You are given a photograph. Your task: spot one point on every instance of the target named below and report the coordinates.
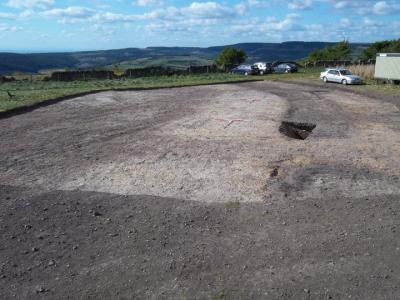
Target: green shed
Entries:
(387, 66)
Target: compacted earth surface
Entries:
(196, 193)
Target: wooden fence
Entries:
(130, 73)
(327, 63)
(338, 63)
(202, 69)
(82, 75)
(152, 71)
(160, 71)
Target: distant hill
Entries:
(137, 57)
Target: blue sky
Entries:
(54, 25)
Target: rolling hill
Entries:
(140, 57)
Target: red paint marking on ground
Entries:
(231, 122)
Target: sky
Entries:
(67, 25)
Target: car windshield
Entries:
(345, 72)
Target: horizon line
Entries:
(71, 50)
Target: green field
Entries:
(26, 92)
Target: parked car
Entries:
(285, 68)
(245, 70)
(264, 67)
(342, 76)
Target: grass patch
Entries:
(374, 87)
(26, 93)
(232, 204)
(312, 75)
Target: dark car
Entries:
(285, 68)
(245, 70)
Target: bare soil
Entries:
(195, 193)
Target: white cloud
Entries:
(259, 3)
(366, 7)
(270, 26)
(345, 22)
(25, 14)
(216, 19)
(72, 14)
(6, 28)
(30, 3)
(341, 4)
(195, 11)
(300, 4)
(384, 8)
(148, 2)
(113, 18)
(7, 16)
(372, 23)
(209, 10)
(381, 8)
(283, 25)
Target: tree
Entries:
(380, 47)
(340, 51)
(116, 68)
(230, 56)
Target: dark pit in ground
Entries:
(296, 130)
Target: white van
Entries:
(263, 67)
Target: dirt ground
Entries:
(193, 193)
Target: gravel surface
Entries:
(195, 193)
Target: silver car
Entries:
(342, 76)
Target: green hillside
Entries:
(166, 56)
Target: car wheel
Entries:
(286, 71)
(344, 82)
(245, 73)
(325, 79)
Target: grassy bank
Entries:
(25, 93)
(366, 72)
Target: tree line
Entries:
(343, 51)
(340, 51)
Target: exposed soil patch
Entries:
(61, 244)
(194, 193)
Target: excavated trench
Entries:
(297, 130)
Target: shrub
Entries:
(380, 47)
(230, 56)
(341, 51)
